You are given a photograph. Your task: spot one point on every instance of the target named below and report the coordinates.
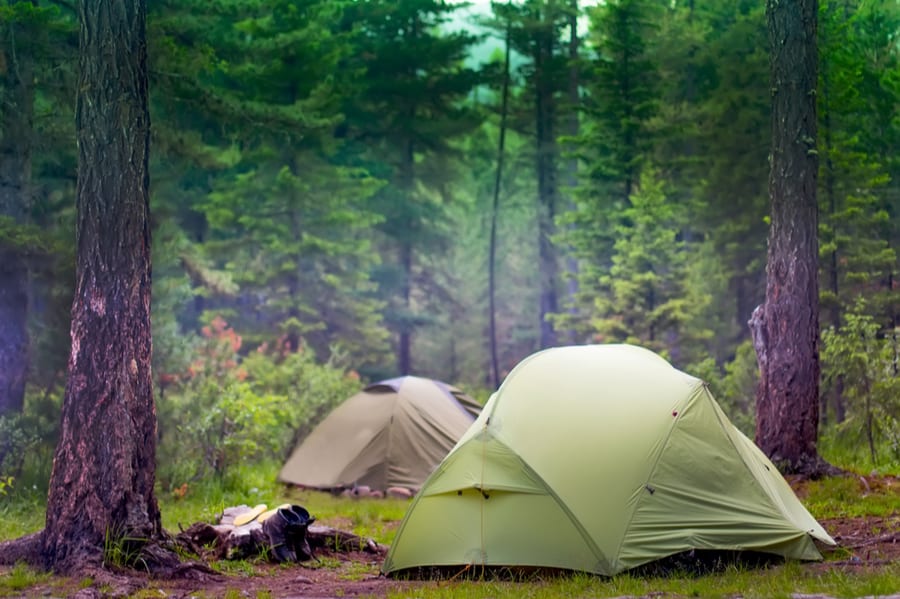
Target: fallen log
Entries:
(341, 541)
(227, 541)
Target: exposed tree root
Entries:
(893, 537)
(157, 559)
(811, 469)
(25, 549)
(228, 542)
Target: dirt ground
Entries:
(862, 543)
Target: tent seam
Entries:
(775, 504)
(662, 448)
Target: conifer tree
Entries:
(857, 260)
(16, 141)
(615, 141)
(410, 105)
(644, 299)
(296, 220)
(36, 168)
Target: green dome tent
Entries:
(600, 458)
(390, 434)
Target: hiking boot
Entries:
(276, 528)
(296, 532)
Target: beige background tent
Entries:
(600, 458)
(391, 434)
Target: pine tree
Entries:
(410, 105)
(289, 221)
(856, 258)
(33, 42)
(622, 98)
(645, 299)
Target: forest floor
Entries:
(864, 543)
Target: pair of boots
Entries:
(286, 530)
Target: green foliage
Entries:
(313, 389)
(711, 142)
(733, 385)
(28, 440)
(282, 217)
(15, 443)
(646, 300)
(21, 512)
(621, 97)
(409, 104)
(863, 359)
(785, 581)
(849, 497)
(857, 237)
(20, 578)
(122, 550)
(624, 92)
(24, 239)
(211, 412)
(6, 483)
(231, 410)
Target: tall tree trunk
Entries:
(101, 487)
(16, 134)
(404, 350)
(547, 156)
(495, 209)
(572, 128)
(785, 327)
(404, 346)
(833, 270)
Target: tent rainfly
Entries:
(391, 434)
(600, 458)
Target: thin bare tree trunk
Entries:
(495, 209)
(16, 134)
(572, 128)
(548, 190)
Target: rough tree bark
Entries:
(785, 327)
(101, 487)
(16, 125)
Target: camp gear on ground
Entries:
(391, 434)
(286, 532)
(269, 513)
(297, 533)
(248, 516)
(600, 458)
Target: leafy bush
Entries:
(230, 410)
(28, 440)
(734, 385)
(312, 389)
(861, 359)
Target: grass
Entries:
(853, 454)
(20, 577)
(847, 497)
(778, 582)
(22, 513)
